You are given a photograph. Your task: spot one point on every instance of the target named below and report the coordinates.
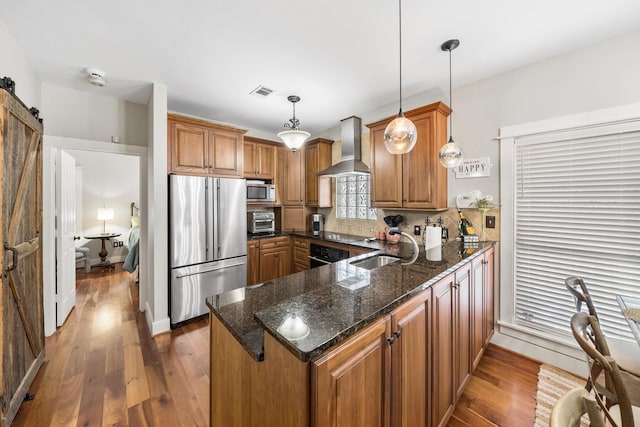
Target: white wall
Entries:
(15, 64)
(154, 297)
(86, 115)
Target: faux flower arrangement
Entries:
(483, 201)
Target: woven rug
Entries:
(552, 384)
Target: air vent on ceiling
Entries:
(261, 91)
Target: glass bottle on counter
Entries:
(465, 226)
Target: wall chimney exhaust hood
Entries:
(351, 162)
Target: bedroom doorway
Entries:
(109, 179)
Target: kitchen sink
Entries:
(375, 261)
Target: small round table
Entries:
(104, 263)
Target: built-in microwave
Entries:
(260, 192)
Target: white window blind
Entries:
(576, 212)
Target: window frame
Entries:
(628, 116)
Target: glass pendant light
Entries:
(451, 154)
(400, 135)
(294, 137)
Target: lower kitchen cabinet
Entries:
(253, 262)
(274, 258)
(462, 327)
(350, 383)
(411, 362)
(300, 254)
(443, 363)
(482, 304)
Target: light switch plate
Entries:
(491, 222)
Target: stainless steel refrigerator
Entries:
(207, 241)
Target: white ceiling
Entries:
(339, 56)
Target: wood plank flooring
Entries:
(103, 369)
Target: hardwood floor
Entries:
(103, 369)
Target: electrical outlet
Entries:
(491, 222)
(416, 230)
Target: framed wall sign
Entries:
(474, 168)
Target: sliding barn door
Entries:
(21, 320)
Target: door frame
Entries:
(50, 145)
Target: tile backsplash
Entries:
(449, 217)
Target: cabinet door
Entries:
(477, 310)
(265, 161)
(420, 167)
(318, 188)
(293, 184)
(250, 167)
(295, 218)
(488, 295)
(226, 153)
(386, 173)
(269, 265)
(253, 262)
(350, 384)
(411, 362)
(189, 148)
(462, 327)
(443, 351)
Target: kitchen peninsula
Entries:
(370, 346)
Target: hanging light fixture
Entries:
(293, 137)
(401, 134)
(451, 154)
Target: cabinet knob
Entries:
(391, 340)
(398, 333)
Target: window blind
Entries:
(576, 212)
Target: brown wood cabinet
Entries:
(293, 178)
(21, 316)
(296, 218)
(317, 155)
(411, 362)
(462, 328)
(415, 180)
(259, 158)
(198, 147)
(275, 258)
(300, 254)
(350, 384)
(488, 308)
(482, 304)
(253, 262)
(443, 363)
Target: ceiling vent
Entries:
(261, 91)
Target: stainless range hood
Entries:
(351, 163)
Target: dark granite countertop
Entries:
(333, 301)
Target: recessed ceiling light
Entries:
(96, 77)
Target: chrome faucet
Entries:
(416, 248)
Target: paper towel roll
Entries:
(432, 237)
(435, 253)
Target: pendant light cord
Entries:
(400, 38)
(450, 102)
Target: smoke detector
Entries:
(96, 77)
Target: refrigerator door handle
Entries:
(215, 250)
(208, 270)
(211, 229)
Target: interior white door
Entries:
(65, 232)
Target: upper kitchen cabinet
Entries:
(317, 157)
(259, 158)
(198, 147)
(293, 186)
(415, 180)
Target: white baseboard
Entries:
(571, 364)
(158, 326)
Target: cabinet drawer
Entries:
(301, 256)
(300, 242)
(276, 242)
